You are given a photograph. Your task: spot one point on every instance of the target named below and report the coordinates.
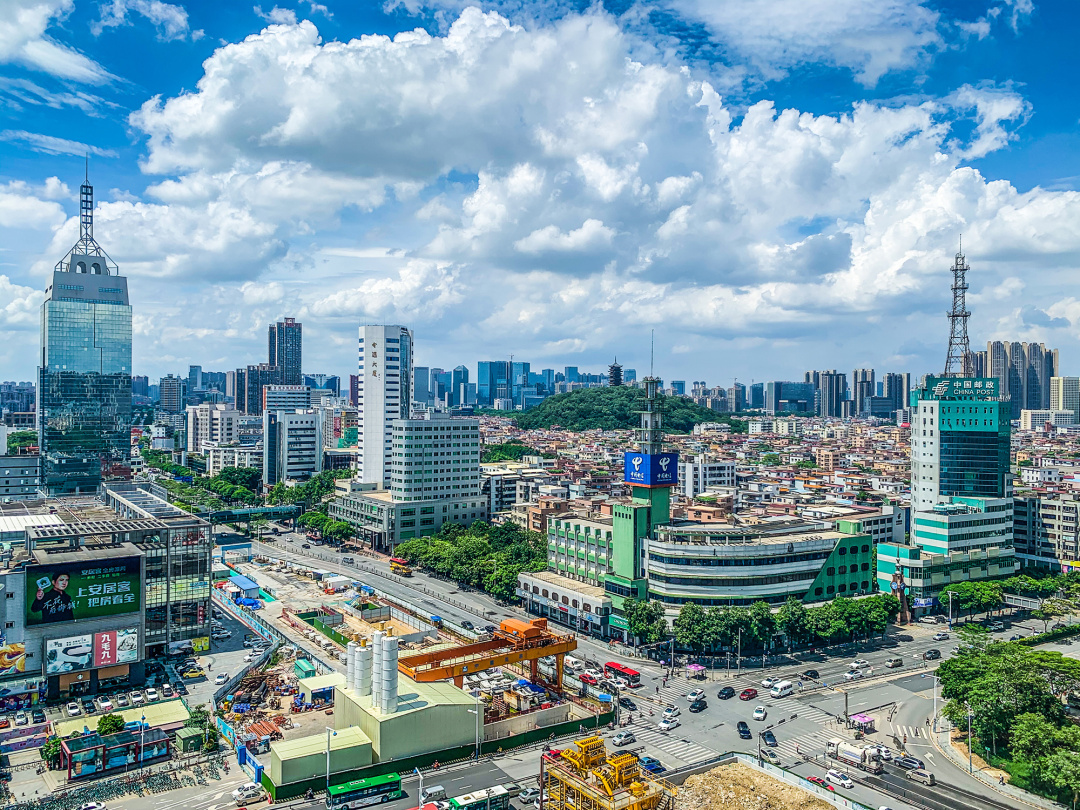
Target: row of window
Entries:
(739, 562)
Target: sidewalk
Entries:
(942, 743)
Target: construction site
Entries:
(585, 777)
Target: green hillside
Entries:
(616, 409)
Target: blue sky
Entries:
(772, 186)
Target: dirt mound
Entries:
(738, 787)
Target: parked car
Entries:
(839, 778)
(699, 706)
(931, 655)
(490, 628)
(88, 706)
(812, 674)
(770, 682)
(908, 762)
(151, 694)
(5, 722)
(38, 716)
(166, 690)
(73, 709)
(726, 693)
(221, 678)
(93, 806)
(529, 794)
(697, 694)
(744, 730)
(668, 723)
(748, 694)
(996, 627)
(770, 756)
(137, 698)
(623, 738)
(769, 738)
(105, 704)
(470, 626)
(760, 713)
(651, 764)
(121, 701)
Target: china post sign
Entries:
(963, 387)
(643, 470)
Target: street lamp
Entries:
(329, 732)
(476, 711)
(968, 707)
(420, 791)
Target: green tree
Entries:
(645, 620)
(1063, 769)
(770, 459)
(512, 450)
(1032, 737)
(792, 620)
(50, 750)
(762, 622)
(690, 626)
(805, 464)
(20, 439)
(110, 724)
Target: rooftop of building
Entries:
(566, 583)
(415, 696)
(316, 743)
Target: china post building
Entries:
(91, 586)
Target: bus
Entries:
(616, 670)
(364, 792)
(493, 798)
(400, 567)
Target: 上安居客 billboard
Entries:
(74, 591)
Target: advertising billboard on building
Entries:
(963, 387)
(658, 470)
(12, 658)
(87, 651)
(68, 654)
(71, 591)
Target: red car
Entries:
(589, 679)
(817, 780)
(748, 694)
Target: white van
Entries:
(572, 664)
(435, 793)
(782, 689)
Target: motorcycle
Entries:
(310, 794)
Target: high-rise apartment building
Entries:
(354, 389)
(1065, 395)
(172, 393)
(210, 423)
(862, 388)
(140, 386)
(292, 445)
(788, 397)
(830, 391)
(84, 378)
(420, 386)
(285, 350)
(736, 398)
(384, 393)
(1023, 372)
(250, 383)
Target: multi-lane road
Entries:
(802, 723)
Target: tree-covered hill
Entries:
(616, 408)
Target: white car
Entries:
(668, 723)
(137, 698)
(74, 709)
(220, 679)
(151, 694)
(93, 806)
(595, 673)
(623, 738)
(671, 711)
(104, 704)
(860, 663)
(853, 675)
(697, 694)
(839, 778)
(760, 713)
(885, 753)
(769, 683)
(942, 636)
(21, 719)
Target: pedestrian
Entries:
(1001, 779)
(658, 690)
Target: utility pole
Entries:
(738, 654)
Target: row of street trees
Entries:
(705, 630)
(1060, 595)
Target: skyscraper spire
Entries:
(86, 255)
(958, 360)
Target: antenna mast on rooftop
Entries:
(958, 361)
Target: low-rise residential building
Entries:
(1038, 419)
(1045, 532)
(219, 456)
(703, 472)
(20, 477)
(586, 608)
(292, 446)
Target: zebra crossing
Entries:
(674, 745)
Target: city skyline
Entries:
(567, 233)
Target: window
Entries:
(842, 588)
(854, 549)
(817, 591)
(830, 572)
(866, 566)
(565, 601)
(865, 549)
(9, 625)
(574, 603)
(830, 589)
(537, 590)
(843, 551)
(843, 570)
(545, 593)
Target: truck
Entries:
(863, 757)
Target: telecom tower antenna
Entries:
(958, 362)
(87, 247)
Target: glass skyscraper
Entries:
(84, 380)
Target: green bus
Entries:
(364, 792)
(494, 798)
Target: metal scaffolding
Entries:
(584, 777)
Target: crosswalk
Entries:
(675, 745)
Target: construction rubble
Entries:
(738, 787)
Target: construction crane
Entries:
(584, 777)
(515, 642)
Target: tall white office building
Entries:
(384, 393)
(1065, 395)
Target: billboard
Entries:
(88, 651)
(68, 654)
(70, 591)
(12, 659)
(644, 470)
(963, 387)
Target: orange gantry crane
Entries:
(515, 642)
